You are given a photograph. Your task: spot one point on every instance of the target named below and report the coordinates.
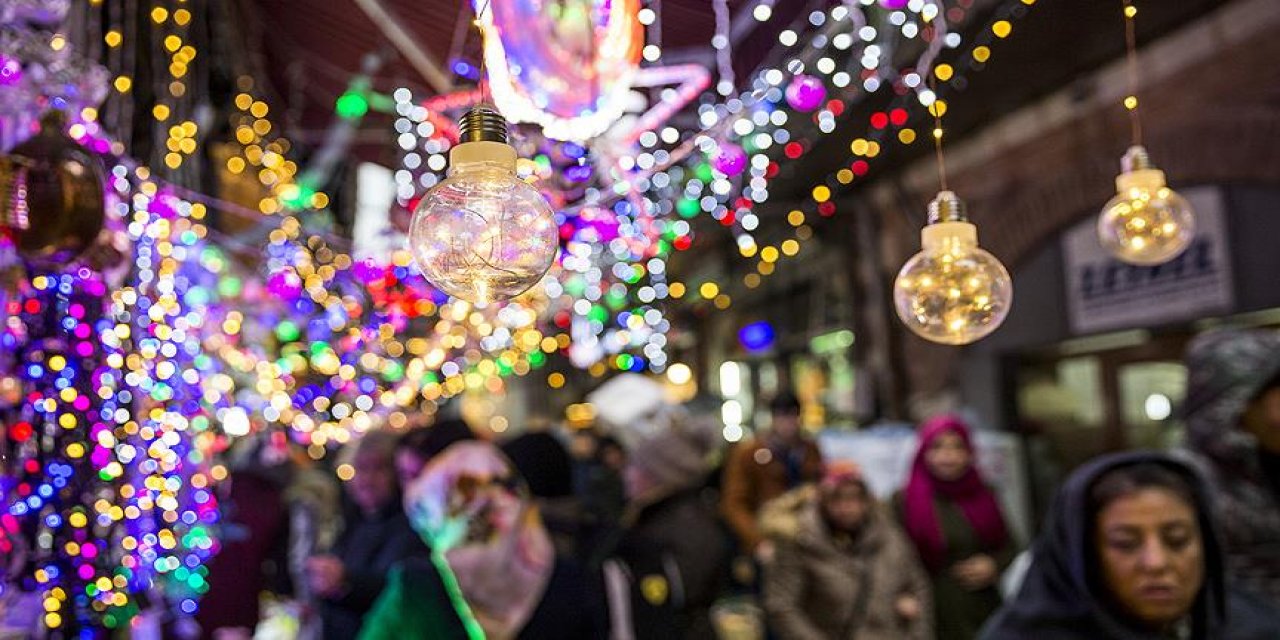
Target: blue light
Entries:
(757, 336)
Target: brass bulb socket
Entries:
(482, 123)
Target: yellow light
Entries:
(676, 290)
(844, 176)
(161, 112)
(189, 128)
(113, 38)
(177, 69)
(859, 147)
(1131, 102)
(873, 149)
(258, 109)
(795, 218)
(182, 17)
(769, 254)
(159, 14)
(709, 290)
(1002, 28)
(187, 145)
(752, 280)
(172, 43)
(262, 127)
(907, 136)
(943, 71)
(790, 247)
(1130, 11)
(89, 114)
(723, 301)
(58, 42)
(765, 268)
(981, 54)
(555, 380)
(821, 193)
(319, 200)
(172, 160)
(346, 472)
(747, 250)
(235, 164)
(938, 108)
(57, 363)
(243, 101)
(123, 84)
(52, 620)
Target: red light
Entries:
(879, 120)
(683, 242)
(729, 218)
(898, 117)
(793, 150)
(20, 431)
(772, 170)
(32, 306)
(827, 209)
(835, 107)
(859, 167)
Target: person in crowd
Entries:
(670, 562)
(418, 446)
(1232, 413)
(762, 469)
(493, 571)
(955, 522)
(842, 569)
(254, 533)
(1129, 552)
(376, 536)
(545, 465)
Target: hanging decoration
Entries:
(1146, 223)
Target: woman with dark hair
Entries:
(1129, 553)
(955, 523)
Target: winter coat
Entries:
(756, 473)
(1057, 600)
(959, 612)
(819, 587)
(1226, 370)
(368, 548)
(667, 570)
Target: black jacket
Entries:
(368, 548)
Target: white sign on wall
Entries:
(1105, 294)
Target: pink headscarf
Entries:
(969, 493)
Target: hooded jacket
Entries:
(819, 588)
(1057, 603)
(1227, 369)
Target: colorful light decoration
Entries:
(576, 62)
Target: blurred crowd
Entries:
(656, 529)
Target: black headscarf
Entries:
(1056, 601)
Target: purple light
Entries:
(729, 159)
(805, 93)
(10, 71)
(757, 336)
(893, 5)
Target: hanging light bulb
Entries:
(1146, 223)
(952, 292)
(483, 234)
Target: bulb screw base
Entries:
(1136, 159)
(947, 207)
(482, 123)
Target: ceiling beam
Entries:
(416, 55)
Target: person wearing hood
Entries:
(1129, 552)
(492, 572)
(671, 559)
(1232, 413)
(955, 522)
(842, 568)
(547, 469)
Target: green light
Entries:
(623, 361)
(393, 371)
(300, 197)
(352, 105)
(703, 172)
(287, 331)
(687, 207)
(230, 287)
(537, 358)
(831, 342)
(598, 314)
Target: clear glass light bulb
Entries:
(1146, 223)
(483, 234)
(952, 292)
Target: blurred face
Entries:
(1151, 556)
(614, 458)
(1262, 419)
(408, 466)
(786, 424)
(947, 457)
(374, 485)
(846, 507)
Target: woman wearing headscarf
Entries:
(842, 570)
(1129, 553)
(955, 523)
(492, 571)
(1232, 412)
